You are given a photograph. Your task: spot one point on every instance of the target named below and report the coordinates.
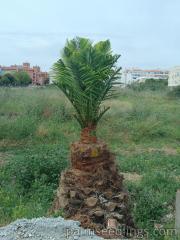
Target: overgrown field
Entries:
(37, 126)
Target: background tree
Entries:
(15, 79)
(22, 78)
(8, 80)
(46, 81)
(150, 84)
(87, 73)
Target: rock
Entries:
(87, 191)
(111, 223)
(45, 229)
(99, 183)
(63, 202)
(102, 200)
(73, 194)
(110, 206)
(108, 194)
(70, 211)
(91, 201)
(62, 191)
(121, 206)
(98, 212)
(115, 215)
(120, 196)
(81, 196)
(75, 202)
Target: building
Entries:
(135, 74)
(174, 77)
(38, 77)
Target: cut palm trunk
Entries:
(91, 190)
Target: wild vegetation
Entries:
(175, 92)
(150, 84)
(37, 126)
(15, 79)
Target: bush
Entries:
(153, 196)
(41, 164)
(150, 84)
(15, 79)
(28, 181)
(22, 78)
(8, 80)
(175, 92)
(17, 128)
(153, 199)
(8, 199)
(15, 205)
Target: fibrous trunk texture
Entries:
(88, 135)
(91, 191)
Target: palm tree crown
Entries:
(86, 74)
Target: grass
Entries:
(37, 126)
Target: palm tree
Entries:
(86, 74)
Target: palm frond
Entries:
(86, 74)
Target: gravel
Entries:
(46, 229)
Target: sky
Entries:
(145, 32)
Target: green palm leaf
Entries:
(87, 74)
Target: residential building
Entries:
(135, 74)
(38, 77)
(174, 77)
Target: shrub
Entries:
(15, 79)
(44, 164)
(153, 196)
(8, 80)
(35, 203)
(175, 92)
(28, 181)
(8, 199)
(22, 78)
(150, 84)
(18, 128)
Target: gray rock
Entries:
(46, 229)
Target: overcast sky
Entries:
(145, 32)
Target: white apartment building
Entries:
(135, 74)
(174, 77)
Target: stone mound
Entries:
(45, 229)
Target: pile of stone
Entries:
(45, 229)
(91, 191)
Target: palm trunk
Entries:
(88, 135)
(91, 191)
